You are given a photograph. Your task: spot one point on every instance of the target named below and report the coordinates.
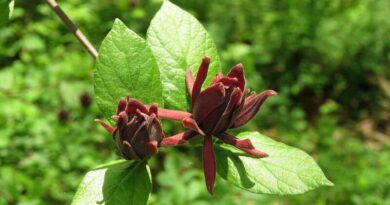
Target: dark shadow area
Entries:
(222, 157)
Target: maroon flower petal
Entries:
(228, 81)
(223, 122)
(152, 146)
(127, 132)
(154, 128)
(178, 139)
(140, 140)
(105, 125)
(121, 105)
(200, 78)
(128, 151)
(255, 152)
(251, 107)
(237, 110)
(238, 72)
(217, 78)
(153, 109)
(229, 139)
(209, 123)
(142, 115)
(190, 81)
(172, 114)
(133, 105)
(191, 124)
(209, 166)
(207, 101)
(122, 119)
(244, 145)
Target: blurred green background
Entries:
(329, 61)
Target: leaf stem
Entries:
(73, 28)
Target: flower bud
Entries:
(138, 130)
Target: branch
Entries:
(73, 28)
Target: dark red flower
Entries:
(219, 107)
(222, 105)
(138, 130)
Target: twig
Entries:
(73, 28)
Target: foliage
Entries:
(328, 60)
(178, 42)
(125, 67)
(280, 173)
(6, 8)
(114, 179)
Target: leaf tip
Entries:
(118, 22)
(327, 182)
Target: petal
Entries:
(238, 109)
(122, 120)
(152, 146)
(121, 105)
(228, 81)
(141, 115)
(154, 128)
(203, 107)
(127, 132)
(251, 107)
(153, 109)
(140, 140)
(255, 152)
(191, 124)
(178, 139)
(224, 120)
(105, 125)
(140, 133)
(128, 152)
(190, 81)
(216, 78)
(229, 139)
(238, 72)
(172, 114)
(200, 78)
(209, 166)
(244, 145)
(133, 105)
(210, 123)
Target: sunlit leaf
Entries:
(287, 170)
(125, 67)
(179, 41)
(116, 183)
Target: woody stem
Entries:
(73, 28)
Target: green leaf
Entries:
(6, 8)
(125, 67)
(179, 41)
(116, 183)
(287, 170)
